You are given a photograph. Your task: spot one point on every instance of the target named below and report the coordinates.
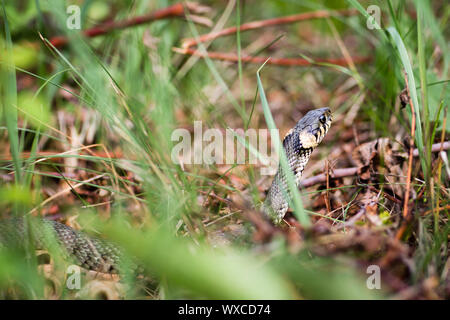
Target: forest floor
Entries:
(91, 139)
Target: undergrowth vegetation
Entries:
(87, 139)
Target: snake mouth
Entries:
(320, 132)
(323, 125)
(313, 127)
(319, 135)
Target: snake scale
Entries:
(102, 256)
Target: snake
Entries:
(298, 144)
(97, 254)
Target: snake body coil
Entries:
(102, 256)
(84, 250)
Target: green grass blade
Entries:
(423, 83)
(239, 51)
(9, 97)
(216, 74)
(250, 148)
(412, 84)
(363, 11)
(297, 204)
(436, 121)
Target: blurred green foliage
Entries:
(128, 78)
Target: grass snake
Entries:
(102, 256)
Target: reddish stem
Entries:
(406, 213)
(269, 22)
(231, 57)
(173, 11)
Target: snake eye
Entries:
(322, 119)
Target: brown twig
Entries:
(386, 195)
(352, 171)
(173, 11)
(406, 214)
(321, 178)
(231, 57)
(437, 147)
(264, 228)
(437, 210)
(269, 22)
(212, 195)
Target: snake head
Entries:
(313, 127)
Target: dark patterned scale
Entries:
(86, 251)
